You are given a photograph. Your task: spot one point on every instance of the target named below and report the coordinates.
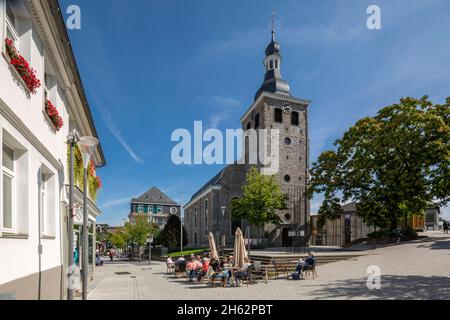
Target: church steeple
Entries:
(272, 63)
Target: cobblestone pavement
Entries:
(414, 270)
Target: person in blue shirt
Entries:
(307, 264)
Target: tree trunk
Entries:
(394, 224)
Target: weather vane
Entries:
(273, 25)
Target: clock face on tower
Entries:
(173, 210)
(287, 108)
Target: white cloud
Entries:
(116, 202)
(107, 118)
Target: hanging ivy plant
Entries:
(94, 182)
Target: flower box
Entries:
(53, 115)
(22, 67)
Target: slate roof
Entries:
(154, 195)
(214, 181)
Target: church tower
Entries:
(274, 107)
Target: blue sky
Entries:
(150, 67)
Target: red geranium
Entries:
(91, 168)
(53, 114)
(99, 182)
(23, 68)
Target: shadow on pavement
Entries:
(392, 287)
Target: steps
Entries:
(292, 259)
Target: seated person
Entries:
(242, 272)
(223, 271)
(204, 269)
(307, 264)
(191, 269)
(170, 264)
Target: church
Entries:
(274, 107)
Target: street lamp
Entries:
(72, 139)
(87, 146)
(222, 238)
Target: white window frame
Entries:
(43, 205)
(12, 176)
(150, 209)
(159, 209)
(140, 208)
(10, 26)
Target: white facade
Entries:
(33, 196)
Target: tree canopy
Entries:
(118, 238)
(392, 165)
(262, 198)
(137, 233)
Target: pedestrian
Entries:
(445, 227)
(111, 254)
(398, 234)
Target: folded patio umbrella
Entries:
(212, 247)
(239, 248)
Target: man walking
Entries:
(445, 227)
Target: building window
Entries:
(11, 25)
(257, 121)
(278, 115)
(276, 64)
(159, 209)
(8, 188)
(150, 209)
(287, 141)
(287, 178)
(271, 64)
(195, 217)
(294, 118)
(206, 217)
(140, 208)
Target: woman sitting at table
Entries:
(242, 272)
(204, 270)
(220, 272)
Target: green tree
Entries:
(137, 232)
(118, 238)
(170, 235)
(262, 198)
(393, 165)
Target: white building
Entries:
(34, 179)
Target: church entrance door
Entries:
(286, 240)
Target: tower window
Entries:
(294, 118)
(287, 178)
(271, 64)
(278, 115)
(257, 121)
(276, 64)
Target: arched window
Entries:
(195, 217)
(276, 64)
(206, 217)
(271, 64)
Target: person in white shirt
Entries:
(242, 272)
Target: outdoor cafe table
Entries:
(266, 272)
